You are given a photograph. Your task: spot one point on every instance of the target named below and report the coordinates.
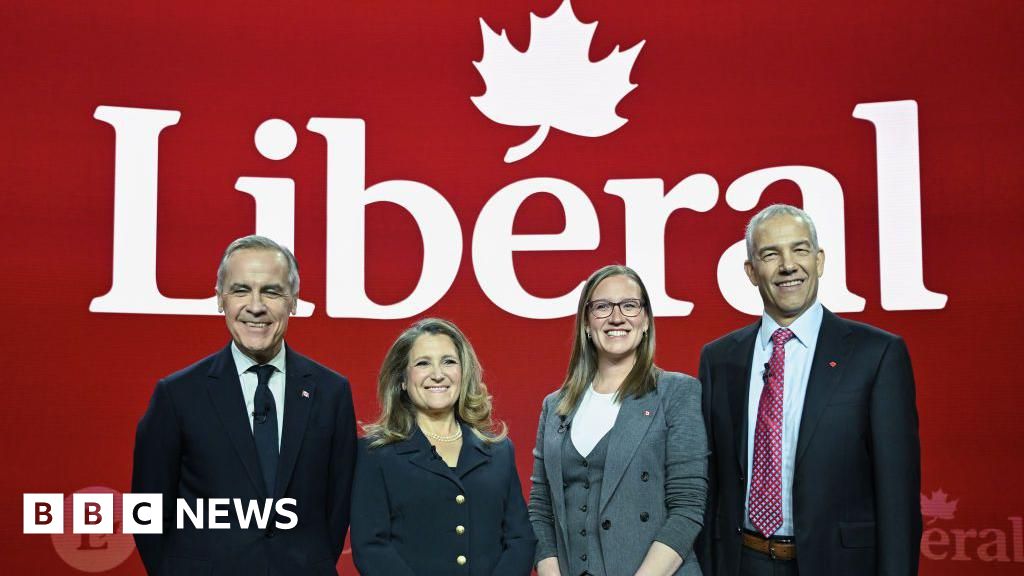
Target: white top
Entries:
(250, 381)
(594, 418)
(797, 370)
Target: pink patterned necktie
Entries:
(766, 482)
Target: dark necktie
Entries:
(766, 482)
(264, 425)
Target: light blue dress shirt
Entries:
(250, 381)
(799, 353)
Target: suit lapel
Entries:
(738, 381)
(299, 394)
(417, 449)
(556, 430)
(834, 345)
(475, 452)
(635, 417)
(226, 395)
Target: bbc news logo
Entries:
(88, 552)
(95, 513)
(91, 514)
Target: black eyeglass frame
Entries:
(613, 305)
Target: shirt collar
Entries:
(805, 327)
(243, 362)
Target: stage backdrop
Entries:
(476, 161)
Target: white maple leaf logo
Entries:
(553, 84)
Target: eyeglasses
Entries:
(604, 308)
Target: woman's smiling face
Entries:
(617, 335)
(433, 378)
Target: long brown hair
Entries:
(397, 412)
(642, 378)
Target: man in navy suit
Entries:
(812, 424)
(256, 422)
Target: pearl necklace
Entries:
(439, 438)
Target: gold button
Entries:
(460, 530)
(459, 500)
(461, 560)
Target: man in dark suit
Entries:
(253, 422)
(812, 423)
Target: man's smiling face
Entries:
(785, 267)
(256, 301)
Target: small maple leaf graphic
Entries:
(553, 84)
(938, 507)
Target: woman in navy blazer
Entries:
(620, 465)
(436, 490)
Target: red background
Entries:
(724, 88)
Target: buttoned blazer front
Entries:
(856, 506)
(655, 477)
(195, 442)
(408, 505)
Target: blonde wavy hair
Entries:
(397, 412)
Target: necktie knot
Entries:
(263, 373)
(781, 336)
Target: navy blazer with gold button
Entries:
(413, 515)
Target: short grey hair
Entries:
(771, 212)
(255, 242)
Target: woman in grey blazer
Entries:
(620, 465)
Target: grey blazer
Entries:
(655, 478)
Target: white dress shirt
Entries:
(250, 381)
(594, 418)
(799, 353)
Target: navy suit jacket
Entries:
(406, 510)
(195, 442)
(857, 478)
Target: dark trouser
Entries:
(754, 563)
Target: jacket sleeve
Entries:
(541, 513)
(372, 551)
(340, 470)
(896, 455)
(703, 545)
(156, 468)
(686, 481)
(517, 536)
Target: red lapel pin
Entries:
(832, 364)
(305, 394)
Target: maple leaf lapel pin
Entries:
(553, 84)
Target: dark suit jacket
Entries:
(856, 486)
(405, 510)
(195, 442)
(655, 478)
